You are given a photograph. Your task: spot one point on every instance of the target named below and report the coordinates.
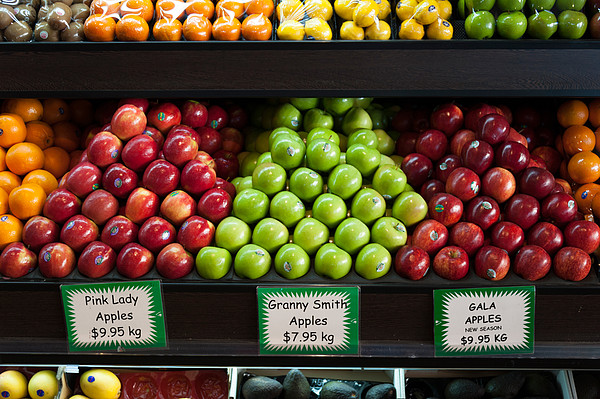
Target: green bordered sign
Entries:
(484, 321)
(114, 316)
(308, 320)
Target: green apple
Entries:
(213, 262)
(287, 208)
(540, 5)
(389, 181)
(316, 117)
(252, 262)
(332, 262)
(265, 157)
(363, 158)
(480, 25)
(250, 205)
(386, 145)
(291, 261)
(344, 181)
(242, 183)
(337, 106)
(479, 5)
(409, 208)
(356, 118)
(288, 151)
(306, 184)
(270, 234)
(373, 261)
(287, 115)
(378, 116)
(281, 131)
(329, 209)
(542, 25)
(362, 102)
(510, 5)
(250, 135)
(367, 206)
(462, 9)
(397, 159)
(310, 234)
(249, 163)
(389, 232)
(571, 24)
(304, 103)
(323, 133)
(351, 235)
(322, 155)
(262, 142)
(511, 25)
(365, 137)
(232, 234)
(574, 5)
(269, 177)
(385, 160)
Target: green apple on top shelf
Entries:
(540, 5)
(510, 5)
(542, 25)
(480, 25)
(479, 5)
(573, 5)
(572, 24)
(511, 25)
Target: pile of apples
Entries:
(493, 201)
(148, 191)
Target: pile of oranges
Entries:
(37, 139)
(364, 19)
(425, 17)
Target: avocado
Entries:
(462, 388)
(337, 390)
(587, 386)
(381, 391)
(295, 385)
(505, 385)
(537, 384)
(261, 388)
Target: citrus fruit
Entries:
(380, 30)
(405, 9)
(290, 30)
(577, 138)
(29, 109)
(9, 181)
(426, 12)
(318, 9)
(56, 161)
(170, 9)
(594, 112)
(345, 8)
(201, 7)
(2, 159)
(365, 13)
(584, 167)
(411, 30)
(132, 28)
(257, 27)
(440, 30)
(12, 130)
(39, 133)
(584, 196)
(55, 110)
(107, 8)
(142, 8)
(290, 9)
(384, 8)
(197, 27)
(26, 201)
(226, 28)
(229, 8)
(66, 135)
(13, 384)
(572, 112)
(42, 178)
(100, 384)
(264, 7)
(3, 202)
(11, 230)
(167, 30)
(445, 9)
(317, 29)
(43, 385)
(99, 28)
(350, 31)
(22, 158)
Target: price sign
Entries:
(301, 320)
(114, 316)
(484, 321)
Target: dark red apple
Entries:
(104, 149)
(475, 113)
(402, 121)
(195, 233)
(468, 236)
(233, 140)
(155, 134)
(210, 139)
(139, 152)
(164, 116)
(179, 148)
(523, 210)
(507, 235)
(483, 211)
(39, 231)
(430, 235)
(432, 143)
(460, 139)
(594, 25)
(492, 128)
(118, 232)
(565, 185)
(547, 236)
(532, 262)
(463, 183)
(445, 166)
(128, 121)
(141, 103)
(451, 263)
(174, 261)
(96, 260)
(551, 157)
(536, 162)
(512, 156)
(227, 164)
(418, 168)
(226, 185)
(513, 135)
(193, 114)
(119, 180)
(536, 182)
(406, 143)
(16, 260)
(105, 110)
(478, 156)
(100, 206)
(215, 205)
(498, 183)
(197, 177)
(177, 206)
(431, 188)
(156, 233)
(492, 263)
(448, 118)
(506, 112)
(78, 232)
(161, 177)
(56, 260)
(134, 261)
(445, 208)
(420, 119)
(83, 179)
(217, 117)
(582, 234)
(141, 205)
(526, 115)
(60, 205)
(572, 264)
(560, 208)
(238, 117)
(186, 131)
(411, 262)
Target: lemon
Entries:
(319, 9)
(384, 8)
(317, 29)
(411, 30)
(380, 30)
(13, 384)
(440, 30)
(345, 8)
(78, 397)
(100, 384)
(290, 30)
(290, 9)
(405, 9)
(43, 384)
(350, 31)
(426, 12)
(445, 9)
(365, 13)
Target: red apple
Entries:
(537, 162)
(141, 205)
(460, 139)
(141, 103)
(492, 128)
(217, 117)
(430, 235)
(572, 264)
(498, 183)
(451, 263)
(512, 156)
(492, 263)
(128, 121)
(536, 182)
(232, 139)
(468, 236)
(582, 234)
(96, 260)
(100, 206)
(197, 177)
(186, 131)
(78, 232)
(238, 117)
(134, 261)
(478, 156)
(463, 183)
(210, 139)
(411, 262)
(156, 233)
(523, 210)
(560, 208)
(551, 157)
(177, 206)
(513, 135)
(448, 118)
(215, 205)
(193, 114)
(104, 149)
(119, 180)
(227, 164)
(431, 188)
(164, 116)
(39, 231)
(506, 112)
(526, 115)
(445, 166)
(57, 260)
(445, 208)
(105, 110)
(174, 261)
(118, 232)
(418, 168)
(155, 134)
(139, 152)
(532, 262)
(475, 113)
(547, 236)
(60, 205)
(402, 121)
(420, 119)
(483, 211)
(179, 148)
(406, 143)
(161, 177)
(205, 157)
(508, 236)
(565, 185)
(195, 233)
(16, 260)
(83, 179)
(432, 143)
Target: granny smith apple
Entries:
(373, 261)
(310, 234)
(574, 5)
(337, 106)
(291, 261)
(322, 155)
(389, 181)
(287, 208)
(288, 151)
(332, 262)
(351, 235)
(571, 24)
(232, 234)
(269, 177)
(410, 208)
(316, 117)
(287, 115)
(386, 145)
(480, 25)
(250, 135)
(378, 116)
(389, 232)
(344, 181)
(242, 183)
(511, 25)
(270, 234)
(265, 157)
(362, 102)
(213, 262)
(250, 205)
(462, 9)
(367, 206)
(249, 163)
(281, 131)
(252, 262)
(397, 159)
(510, 5)
(363, 158)
(542, 25)
(365, 137)
(479, 5)
(385, 160)
(329, 209)
(306, 184)
(304, 103)
(323, 133)
(540, 5)
(356, 118)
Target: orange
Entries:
(264, 7)
(132, 28)
(226, 28)
(82, 112)
(11, 230)
(410, 29)
(578, 138)
(594, 112)
(9, 181)
(171, 9)
(142, 8)
(572, 112)
(106, 8)
(584, 167)
(257, 27)
(26, 201)
(66, 135)
(12, 130)
(30, 109)
(597, 134)
(558, 144)
(197, 27)
(3, 201)
(42, 178)
(584, 196)
(2, 159)
(167, 30)
(40, 133)
(229, 8)
(56, 161)
(202, 7)
(99, 28)
(22, 158)
(55, 110)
